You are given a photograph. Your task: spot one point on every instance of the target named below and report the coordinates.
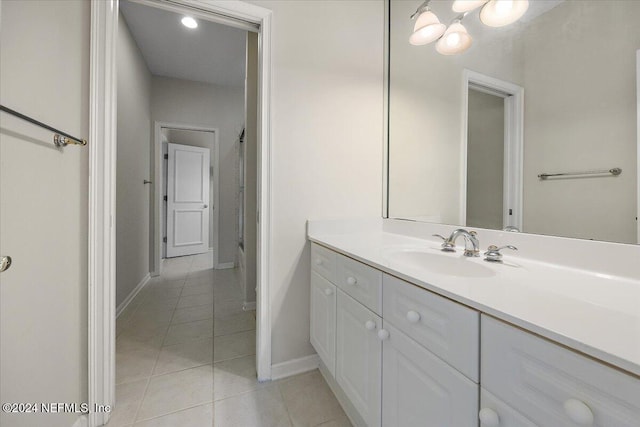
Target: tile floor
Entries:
(185, 357)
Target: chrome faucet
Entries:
(471, 243)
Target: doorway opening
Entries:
(102, 248)
(492, 144)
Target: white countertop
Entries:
(595, 313)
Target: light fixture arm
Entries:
(422, 8)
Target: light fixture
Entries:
(189, 22)
(498, 13)
(427, 28)
(455, 40)
(461, 6)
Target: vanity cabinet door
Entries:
(419, 389)
(323, 320)
(359, 357)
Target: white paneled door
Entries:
(187, 200)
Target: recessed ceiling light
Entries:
(189, 22)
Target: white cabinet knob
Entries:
(413, 316)
(578, 412)
(328, 292)
(318, 261)
(489, 418)
(370, 325)
(352, 280)
(383, 334)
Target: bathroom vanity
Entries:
(409, 335)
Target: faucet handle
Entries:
(493, 253)
(447, 245)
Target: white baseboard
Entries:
(249, 305)
(225, 265)
(81, 421)
(295, 366)
(132, 295)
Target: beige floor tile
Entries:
(340, 422)
(200, 275)
(240, 322)
(227, 347)
(199, 281)
(128, 398)
(309, 400)
(149, 319)
(199, 416)
(176, 391)
(184, 356)
(224, 309)
(260, 408)
(160, 292)
(162, 283)
(227, 292)
(146, 338)
(188, 331)
(195, 300)
(205, 288)
(162, 304)
(191, 314)
(234, 377)
(135, 365)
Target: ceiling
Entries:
(212, 53)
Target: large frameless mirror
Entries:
(516, 115)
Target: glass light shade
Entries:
(427, 29)
(498, 13)
(455, 40)
(462, 6)
(189, 22)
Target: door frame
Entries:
(513, 142)
(102, 183)
(159, 186)
(638, 143)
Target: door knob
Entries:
(489, 417)
(206, 206)
(5, 263)
(383, 334)
(370, 325)
(328, 292)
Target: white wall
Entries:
(327, 91)
(44, 73)
(133, 165)
(221, 107)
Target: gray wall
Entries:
(133, 165)
(485, 160)
(44, 73)
(577, 122)
(221, 107)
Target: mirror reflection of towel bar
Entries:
(613, 171)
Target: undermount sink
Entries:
(452, 264)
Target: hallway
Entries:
(182, 355)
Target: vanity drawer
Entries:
(554, 386)
(447, 329)
(323, 262)
(361, 282)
